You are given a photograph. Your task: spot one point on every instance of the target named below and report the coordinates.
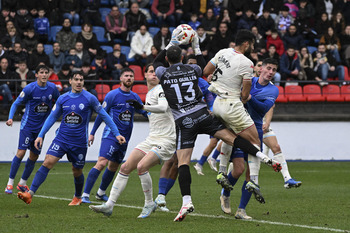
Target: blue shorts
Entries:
(76, 155)
(112, 150)
(26, 141)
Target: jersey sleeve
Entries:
(56, 93)
(215, 59)
(56, 112)
(21, 99)
(197, 69)
(246, 69)
(162, 104)
(140, 111)
(264, 106)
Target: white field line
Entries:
(218, 217)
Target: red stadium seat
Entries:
(332, 93)
(294, 93)
(102, 90)
(312, 92)
(281, 97)
(346, 75)
(345, 92)
(115, 86)
(141, 90)
(137, 72)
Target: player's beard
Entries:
(127, 84)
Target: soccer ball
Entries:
(188, 34)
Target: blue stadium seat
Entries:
(76, 29)
(53, 32)
(126, 50)
(48, 48)
(123, 10)
(311, 49)
(100, 33)
(171, 29)
(107, 48)
(105, 2)
(153, 30)
(104, 12)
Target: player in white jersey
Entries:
(159, 146)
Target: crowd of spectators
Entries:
(310, 38)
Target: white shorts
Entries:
(163, 148)
(269, 133)
(233, 113)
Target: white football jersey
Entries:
(232, 68)
(160, 124)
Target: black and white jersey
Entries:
(180, 85)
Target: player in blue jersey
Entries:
(38, 98)
(111, 151)
(75, 107)
(261, 98)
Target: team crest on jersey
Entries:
(42, 108)
(81, 106)
(73, 119)
(43, 98)
(73, 107)
(188, 123)
(104, 104)
(50, 97)
(22, 94)
(80, 156)
(161, 95)
(125, 116)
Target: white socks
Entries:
(225, 155)
(186, 199)
(146, 183)
(117, 188)
(285, 172)
(22, 182)
(11, 181)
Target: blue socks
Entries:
(215, 154)
(30, 164)
(203, 160)
(162, 185)
(171, 183)
(245, 196)
(233, 181)
(91, 179)
(16, 162)
(39, 178)
(79, 183)
(106, 179)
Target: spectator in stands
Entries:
(260, 43)
(332, 42)
(306, 8)
(90, 12)
(141, 3)
(345, 45)
(63, 75)
(338, 23)
(42, 26)
(284, 20)
(116, 25)
(194, 23)
(81, 52)
(271, 53)
(89, 79)
(204, 40)
(89, 40)
(220, 40)
(290, 65)
(122, 3)
(16, 55)
(324, 6)
(116, 61)
(217, 8)
(293, 8)
(304, 26)
(10, 39)
(141, 45)
(4, 18)
(73, 60)
(23, 21)
(38, 56)
(322, 25)
(5, 91)
(164, 11)
(99, 65)
(236, 8)
(66, 37)
(307, 65)
(3, 53)
(292, 37)
(275, 40)
(265, 23)
(24, 74)
(162, 38)
(70, 10)
(134, 19)
(54, 78)
(325, 64)
(30, 41)
(153, 55)
(52, 10)
(57, 58)
(10, 4)
(225, 17)
(209, 22)
(247, 21)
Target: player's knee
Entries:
(20, 154)
(141, 168)
(101, 163)
(77, 171)
(276, 149)
(125, 169)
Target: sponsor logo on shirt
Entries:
(43, 98)
(125, 116)
(73, 119)
(81, 106)
(42, 108)
(72, 107)
(187, 123)
(22, 94)
(50, 97)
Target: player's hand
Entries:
(195, 44)
(265, 127)
(9, 122)
(244, 101)
(121, 139)
(176, 38)
(209, 78)
(91, 140)
(38, 143)
(135, 104)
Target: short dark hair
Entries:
(76, 73)
(126, 69)
(85, 64)
(65, 67)
(147, 67)
(269, 61)
(41, 67)
(244, 35)
(174, 54)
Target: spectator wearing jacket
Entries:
(42, 26)
(275, 40)
(23, 21)
(134, 19)
(265, 23)
(116, 61)
(57, 58)
(284, 20)
(70, 10)
(116, 25)
(163, 10)
(162, 38)
(141, 45)
(66, 37)
(290, 64)
(292, 37)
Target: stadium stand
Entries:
(102, 90)
(345, 92)
(141, 90)
(294, 93)
(107, 48)
(332, 93)
(137, 72)
(53, 32)
(281, 97)
(100, 33)
(313, 93)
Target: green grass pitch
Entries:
(321, 204)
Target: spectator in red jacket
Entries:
(276, 40)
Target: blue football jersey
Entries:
(38, 103)
(263, 98)
(121, 113)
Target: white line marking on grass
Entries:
(217, 216)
